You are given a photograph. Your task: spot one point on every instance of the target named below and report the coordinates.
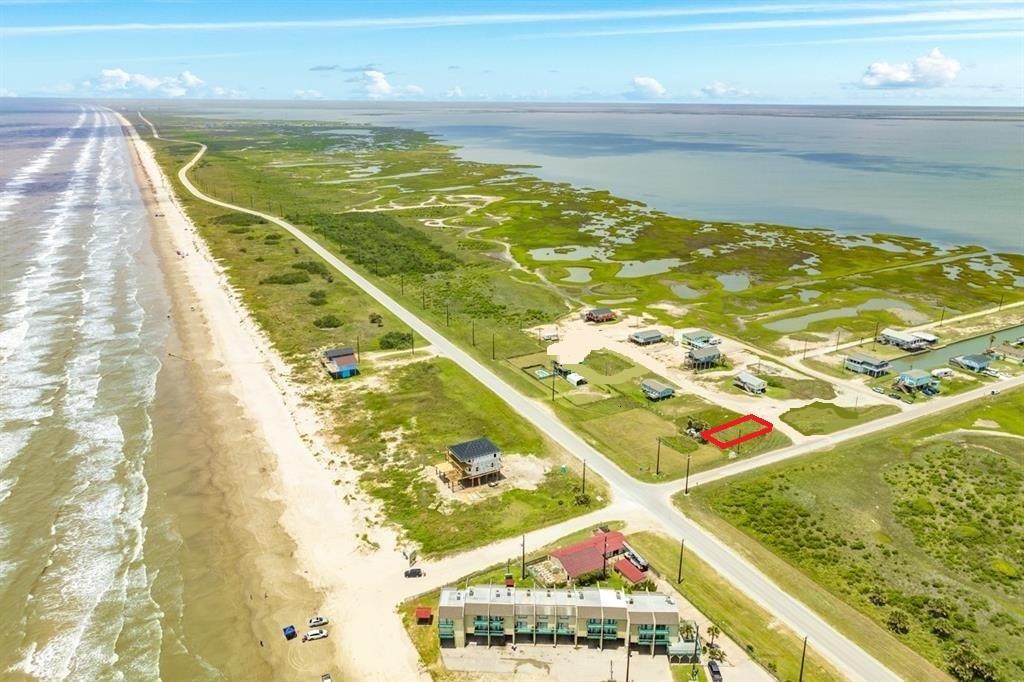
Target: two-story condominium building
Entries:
(494, 614)
(866, 363)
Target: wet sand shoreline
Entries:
(253, 556)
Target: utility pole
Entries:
(522, 574)
(802, 657)
(604, 559)
(679, 571)
(1001, 297)
(686, 489)
(447, 314)
(943, 316)
(805, 349)
(584, 477)
(412, 341)
(838, 332)
(629, 654)
(874, 339)
(492, 345)
(423, 299)
(553, 375)
(473, 328)
(402, 280)
(657, 462)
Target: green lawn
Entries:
(821, 417)
(910, 539)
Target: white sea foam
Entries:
(37, 314)
(110, 382)
(14, 190)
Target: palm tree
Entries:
(688, 630)
(713, 632)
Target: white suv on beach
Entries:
(314, 635)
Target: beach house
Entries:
(696, 338)
(599, 315)
(646, 337)
(866, 363)
(974, 362)
(655, 390)
(750, 383)
(340, 363)
(903, 340)
(916, 380)
(703, 357)
(471, 463)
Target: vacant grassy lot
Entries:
(397, 430)
(773, 646)
(821, 417)
(913, 536)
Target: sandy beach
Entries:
(288, 479)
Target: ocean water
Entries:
(116, 560)
(948, 175)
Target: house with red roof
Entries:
(589, 555)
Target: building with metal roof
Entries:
(866, 363)
(494, 614)
(904, 340)
(655, 390)
(646, 337)
(599, 315)
(703, 357)
(471, 463)
(340, 363)
(750, 383)
(974, 362)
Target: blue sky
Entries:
(781, 51)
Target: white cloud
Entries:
(646, 87)
(377, 86)
(190, 80)
(454, 92)
(4, 92)
(932, 70)
(119, 80)
(718, 90)
(307, 94)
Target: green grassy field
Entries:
(909, 537)
(821, 417)
(392, 434)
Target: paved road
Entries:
(849, 658)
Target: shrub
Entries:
(898, 621)
(240, 230)
(238, 219)
(286, 278)
(312, 267)
(317, 297)
(396, 341)
(327, 322)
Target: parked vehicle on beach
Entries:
(314, 635)
(716, 672)
(414, 573)
(879, 389)
(318, 621)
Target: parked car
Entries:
(314, 635)
(326, 677)
(414, 573)
(716, 672)
(318, 621)
(879, 389)
(995, 391)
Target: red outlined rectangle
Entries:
(709, 434)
